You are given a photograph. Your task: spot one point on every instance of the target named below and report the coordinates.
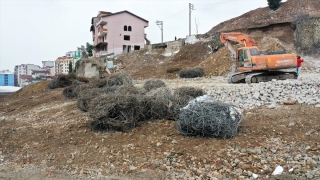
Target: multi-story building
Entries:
(115, 33)
(40, 74)
(62, 65)
(6, 78)
(23, 69)
(25, 80)
(49, 66)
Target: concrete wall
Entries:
(90, 70)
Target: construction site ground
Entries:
(45, 136)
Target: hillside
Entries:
(288, 12)
(295, 22)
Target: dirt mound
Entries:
(152, 64)
(31, 89)
(217, 64)
(144, 64)
(288, 12)
(273, 44)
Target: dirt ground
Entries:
(43, 135)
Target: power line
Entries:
(172, 15)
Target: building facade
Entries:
(40, 74)
(6, 78)
(25, 80)
(49, 66)
(115, 33)
(23, 69)
(62, 65)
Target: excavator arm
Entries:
(237, 37)
(241, 38)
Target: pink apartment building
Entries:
(115, 33)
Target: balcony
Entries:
(101, 22)
(102, 32)
(101, 42)
(101, 53)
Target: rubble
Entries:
(271, 94)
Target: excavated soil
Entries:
(43, 135)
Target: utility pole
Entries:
(160, 24)
(191, 7)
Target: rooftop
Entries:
(125, 11)
(9, 88)
(62, 59)
(25, 76)
(40, 71)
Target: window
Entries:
(129, 28)
(126, 38)
(126, 48)
(254, 52)
(136, 47)
(125, 28)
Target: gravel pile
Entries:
(306, 90)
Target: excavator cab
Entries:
(244, 56)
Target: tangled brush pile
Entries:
(66, 80)
(191, 72)
(114, 112)
(207, 118)
(153, 84)
(116, 104)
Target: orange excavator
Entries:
(250, 65)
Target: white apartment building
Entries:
(62, 65)
(23, 69)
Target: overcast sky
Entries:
(32, 31)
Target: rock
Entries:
(318, 105)
(278, 170)
(244, 166)
(255, 176)
(290, 125)
(309, 176)
(217, 174)
(291, 169)
(289, 102)
(272, 106)
(159, 144)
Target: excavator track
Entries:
(269, 75)
(237, 77)
(252, 78)
(262, 76)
